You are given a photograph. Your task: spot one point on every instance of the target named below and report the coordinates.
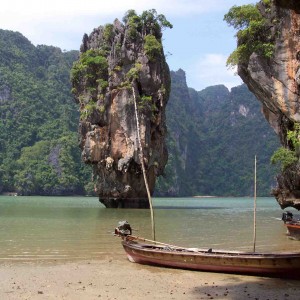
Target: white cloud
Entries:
(62, 23)
(210, 70)
(42, 21)
(55, 8)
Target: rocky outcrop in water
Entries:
(120, 63)
(275, 81)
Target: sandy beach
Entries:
(117, 278)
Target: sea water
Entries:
(72, 228)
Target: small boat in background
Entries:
(292, 223)
(144, 251)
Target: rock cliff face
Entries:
(276, 83)
(120, 63)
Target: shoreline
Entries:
(116, 278)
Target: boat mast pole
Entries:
(254, 214)
(141, 156)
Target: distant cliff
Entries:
(275, 80)
(213, 137)
(121, 63)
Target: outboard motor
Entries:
(287, 216)
(123, 229)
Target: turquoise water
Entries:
(70, 228)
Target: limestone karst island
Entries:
(122, 84)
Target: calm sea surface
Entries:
(71, 228)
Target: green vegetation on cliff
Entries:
(93, 70)
(253, 32)
(286, 157)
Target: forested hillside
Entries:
(213, 134)
(39, 119)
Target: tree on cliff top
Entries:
(253, 32)
(149, 22)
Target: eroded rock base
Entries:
(125, 202)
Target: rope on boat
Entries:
(141, 157)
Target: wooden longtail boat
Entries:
(143, 251)
(292, 224)
(155, 253)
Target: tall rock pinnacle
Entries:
(120, 63)
(268, 58)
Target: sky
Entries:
(199, 42)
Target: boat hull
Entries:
(293, 230)
(276, 265)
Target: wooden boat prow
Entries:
(283, 264)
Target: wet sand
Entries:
(117, 278)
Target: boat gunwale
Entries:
(293, 225)
(208, 252)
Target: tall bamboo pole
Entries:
(254, 214)
(141, 156)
